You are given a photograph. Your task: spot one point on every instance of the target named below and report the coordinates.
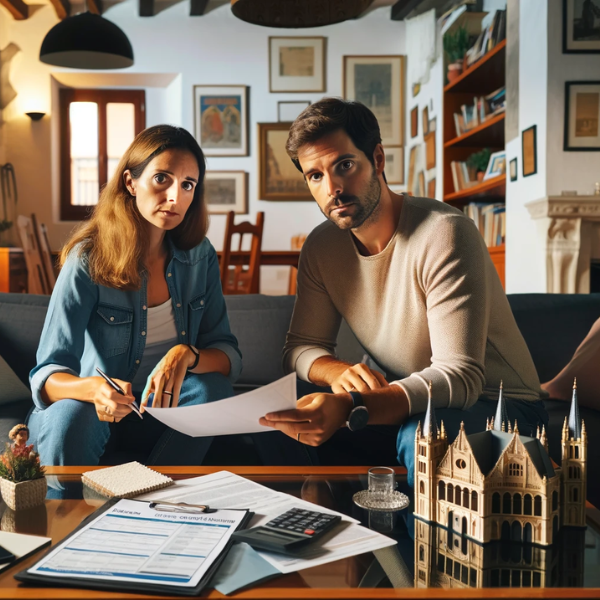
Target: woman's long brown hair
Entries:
(114, 238)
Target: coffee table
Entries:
(569, 570)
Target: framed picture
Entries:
(496, 166)
(431, 188)
(432, 124)
(288, 110)
(221, 119)
(581, 27)
(378, 82)
(412, 166)
(528, 142)
(297, 64)
(430, 151)
(425, 120)
(278, 178)
(394, 165)
(420, 191)
(414, 122)
(513, 169)
(225, 191)
(582, 116)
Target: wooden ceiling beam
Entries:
(198, 7)
(95, 6)
(146, 8)
(62, 8)
(17, 8)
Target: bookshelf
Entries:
(481, 79)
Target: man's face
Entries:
(341, 179)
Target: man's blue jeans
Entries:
(69, 432)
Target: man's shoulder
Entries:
(434, 208)
(426, 215)
(325, 234)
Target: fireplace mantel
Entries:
(569, 229)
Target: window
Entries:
(574, 473)
(537, 506)
(96, 128)
(575, 494)
(517, 498)
(441, 491)
(474, 500)
(515, 470)
(576, 451)
(466, 496)
(506, 504)
(421, 487)
(527, 501)
(460, 463)
(457, 492)
(421, 553)
(422, 450)
(450, 493)
(496, 503)
(555, 500)
(422, 467)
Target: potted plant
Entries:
(456, 44)
(478, 163)
(22, 480)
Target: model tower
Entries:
(431, 444)
(574, 466)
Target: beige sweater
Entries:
(430, 306)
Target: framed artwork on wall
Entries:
(225, 191)
(221, 119)
(412, 166)
(414, 122)
(288, 110)
(425, 120)
(581, 27)
(378, 82)
(297, 64)
(529, 141)
(513, 170)
(430, 158)
(582, 116)
(278, 178)
(420, 191)
(394, 165)
(431, 188)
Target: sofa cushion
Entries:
(12, 389)
(553, 325)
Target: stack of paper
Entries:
(125, 481)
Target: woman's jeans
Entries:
(69, 432)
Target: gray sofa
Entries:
(552, 324)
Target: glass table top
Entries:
(435, 559)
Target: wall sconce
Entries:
(35, 116)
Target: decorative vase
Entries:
(25, 494)
(480, 176)
(454, 70)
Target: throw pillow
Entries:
(12, 389)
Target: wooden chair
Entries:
(37, 283)
(237, 279)
(297, 243)
(46, 253)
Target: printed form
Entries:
(133, 542)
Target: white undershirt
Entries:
(161, 336)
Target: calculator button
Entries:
(309, 531)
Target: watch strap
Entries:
(196, 354)
(357, 399)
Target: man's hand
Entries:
(110, 405)
(358, 378)
(316, 419)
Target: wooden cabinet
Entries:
(13, 271)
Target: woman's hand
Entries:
(167, 377)
(110, 405)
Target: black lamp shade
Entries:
(87, 41)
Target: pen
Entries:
(115, 386)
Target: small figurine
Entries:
(19, 434)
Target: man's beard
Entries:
(365, 206)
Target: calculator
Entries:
(289, 532)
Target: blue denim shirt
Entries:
(90, 325)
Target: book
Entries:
(125, 481)
(21, 545)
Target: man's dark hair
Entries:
(329, 115)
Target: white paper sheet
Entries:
(239, 414)
(227, 490)
(133, 542)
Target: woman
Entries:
(138, 296)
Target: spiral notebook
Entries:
(125, 481)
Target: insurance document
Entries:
(239, 414)
(227, 490)
(133, 542)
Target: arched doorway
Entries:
(516, 532)
(528, 533)
(505, 535)
(464, 531)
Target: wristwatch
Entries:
(196, 354)
(359, 415)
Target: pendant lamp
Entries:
(298, 13)
(87, 41)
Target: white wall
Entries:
(525, 258)
(214, 49)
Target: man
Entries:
(414, 281)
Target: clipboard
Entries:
(124, 586)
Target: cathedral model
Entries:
(499, 484)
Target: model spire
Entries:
(574, 419)
(430, 426)
(501, 417)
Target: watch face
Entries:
(358, 419)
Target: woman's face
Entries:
(165, 189)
